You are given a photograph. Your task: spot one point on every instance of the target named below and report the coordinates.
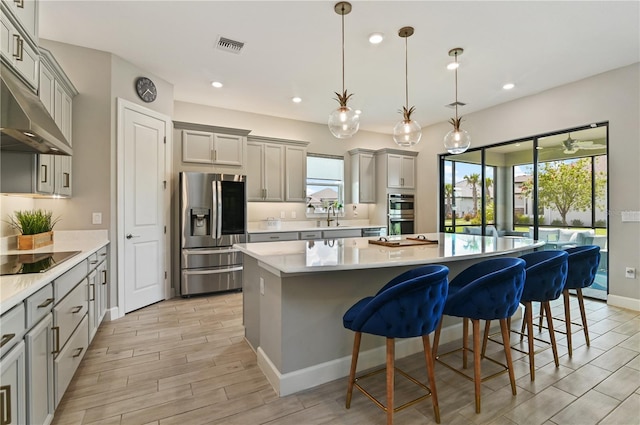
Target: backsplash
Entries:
(8, 205)
(257, 211)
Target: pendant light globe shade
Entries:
(407, 133)
(457, 141)
(344, 122)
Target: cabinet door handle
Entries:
(5, 402)
(92, 287)
(215, 155)
(104, 277)
(46, 303)
(6, 338)
(80, 349)
(76, 309)
(56, 330)
(19, 3)
(66, 180)
(43, 173)
(19, 47)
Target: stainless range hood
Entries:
(25, 125)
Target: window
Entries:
(325, 182)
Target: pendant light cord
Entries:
(456, 78)
(342, 48)
(406, 72)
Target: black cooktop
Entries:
(32, 263)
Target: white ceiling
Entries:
(293, 48)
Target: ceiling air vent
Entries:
(229, 45)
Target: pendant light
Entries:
(407, 132)
(457, 140)
(343, 122)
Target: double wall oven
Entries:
(213, 217)
(400, 211)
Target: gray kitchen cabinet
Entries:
(45, 174)
(97, 285)
(12, 386)
(273, 237)
(47, 87)
(18, 49)
(296, 174)
(57, 92)
(363, 176)
(39, 372)
(311, 234)
(265, 171)
(69, 358)
(26, 15)
(395, 170)
(212, 148)
(62, 167)
(341, 233)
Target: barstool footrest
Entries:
(515, 347)
(401, 372)
(470, 378)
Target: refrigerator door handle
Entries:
(214, 210)
(218, 191)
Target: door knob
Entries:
(129, 236)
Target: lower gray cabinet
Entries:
(68, 360)
(40, 388)
(12, 388)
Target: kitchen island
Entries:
(296, 292)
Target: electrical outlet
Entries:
(283, 214)
(630, 273)
(261, 286)
(96, 218)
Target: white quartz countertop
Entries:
(292, 257)
(15, 288)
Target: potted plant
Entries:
(35, 226)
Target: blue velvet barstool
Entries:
(488, 290)
(583, 266)
(546, 274)
(410, 305)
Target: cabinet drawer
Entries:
(273, 237)
(69, 312)
(97, 257)
(38, 305)
(66, 282)
(344, 233)
(311, 235)
(65, 365)
(13, 328)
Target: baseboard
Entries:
(624, 302)
(112, 313)
(302, 379)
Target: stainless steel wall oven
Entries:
(400, 211)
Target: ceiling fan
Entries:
(572, 145)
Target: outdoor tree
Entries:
(473, 180)
(448, 194)
(566, 186)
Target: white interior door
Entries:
(141, 233)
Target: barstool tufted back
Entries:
(546, 275)
(583, 265)
(487, 290)
(410, 305)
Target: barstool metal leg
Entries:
(584, 316)
(567, 320)
(432, 378)
(477, 380)
(505, 328)
(390, 378)
(354, 363)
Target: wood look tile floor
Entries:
(185, 361)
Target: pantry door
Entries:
(142, 175)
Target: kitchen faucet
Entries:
(329, 219)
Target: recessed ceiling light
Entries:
(296, 99)
(508, 86)
(376, 38)
(216, 84)
(452, 66)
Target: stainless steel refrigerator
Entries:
(213, 216)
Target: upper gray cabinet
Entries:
(18, 39)
(56, 92)
(398, 167)
(276, 169)
(363, 176)
(212, 148)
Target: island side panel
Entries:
(251, 301)
(271, 323)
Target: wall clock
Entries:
(146, 89)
